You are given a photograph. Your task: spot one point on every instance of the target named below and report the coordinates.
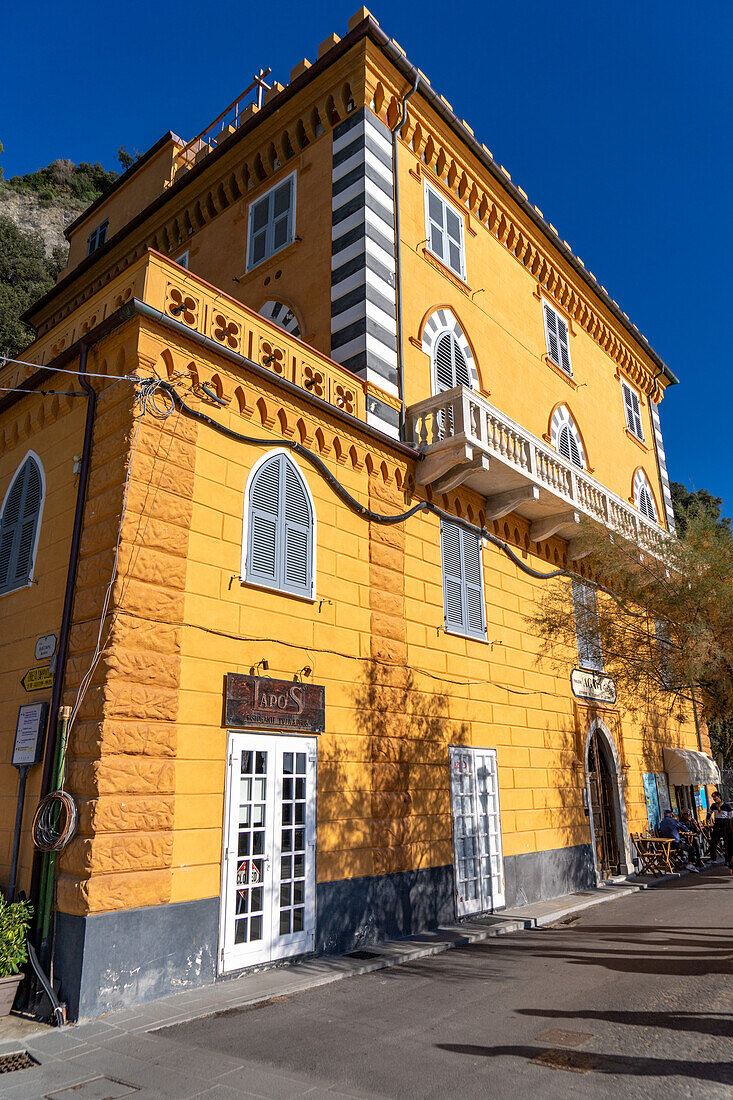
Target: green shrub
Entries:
(64, 182)
(26, 273)
(15, 918)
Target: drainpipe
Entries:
(58, 678)
(397, 132)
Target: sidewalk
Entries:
(118, 1056)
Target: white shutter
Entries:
(450, 540)
(463, 591)
(264, 515)
(633, 411)
(297, 542)
(556, 336)
(475, 617)
(586, 626)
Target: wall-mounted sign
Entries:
(592, 685)
(46, 647)
(29, 733)
(259, 701)
(38, 679)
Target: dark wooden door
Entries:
(602, 808)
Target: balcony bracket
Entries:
(559, 523)
(459, 474)
(501, 504)
(578, 550)
(443, 458)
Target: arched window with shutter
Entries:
(20, 522)
(279, 527)
(644, 497)
(450, 368)
(566, 437)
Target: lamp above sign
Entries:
(593, 685)
(260, 702)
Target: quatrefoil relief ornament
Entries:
(314, 380)
(343, 398)
(225, 331)
(182, 306)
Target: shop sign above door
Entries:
(260, 702)
(593, 685)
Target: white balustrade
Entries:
(461, 413)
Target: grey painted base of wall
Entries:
(113, 960)
(538, 876)
(354, 912)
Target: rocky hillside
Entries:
(34, 211)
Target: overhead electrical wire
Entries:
(5, 359)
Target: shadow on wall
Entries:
(390, 817)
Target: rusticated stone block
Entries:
(392, 804)
(385, 649)
(151, 602)
(124, 700)
(120, 813)
(388, 536)
(121, 775)
(390, 832)
(386, 557)
(92, 739)
(388, 626)
(388, 602)
(114, 891)
(114, 852)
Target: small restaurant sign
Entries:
(592, 685)
(260, 702)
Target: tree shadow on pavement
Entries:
(582, 1061)
(717, 1023)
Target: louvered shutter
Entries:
(18, 527)
(450, 540)
(646, 504)
(556, 334)
(474, 593)
(586, 627)
(445, 371)
(568, 446)
(28, 522)
(444, 233)
(463, 598)
(436, 227)
(263, 552)
(281, 214)
(633, 411)
(298, 534)
(454, 257)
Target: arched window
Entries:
(566, 437)
(450, 368)
(643, 496)
(19, 524)
(282, 315)
(279, 523)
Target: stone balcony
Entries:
(466, 441)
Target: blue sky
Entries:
(616, 119)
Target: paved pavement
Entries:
(630, 999)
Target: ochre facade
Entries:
(147, 758)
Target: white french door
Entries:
(268, 877)
(478, 863)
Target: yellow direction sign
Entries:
(38, 679)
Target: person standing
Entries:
(717, 816)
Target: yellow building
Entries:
(316, 405)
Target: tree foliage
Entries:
(26, 273)
(665, 624)
(64, 183)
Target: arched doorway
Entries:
(606, 803)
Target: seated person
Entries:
(687, 821)
(670, 830)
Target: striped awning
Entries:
(687, 766)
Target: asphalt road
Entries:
(633, 998)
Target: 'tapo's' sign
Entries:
(258, 701)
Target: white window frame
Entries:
(561, 320)
(581, 591)
(459, 214)
(182, 260)
(245, 531)
(293, 209)
(39, 521)
(452, 629)
(465, 806)
(636, 402)
(95, 235)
